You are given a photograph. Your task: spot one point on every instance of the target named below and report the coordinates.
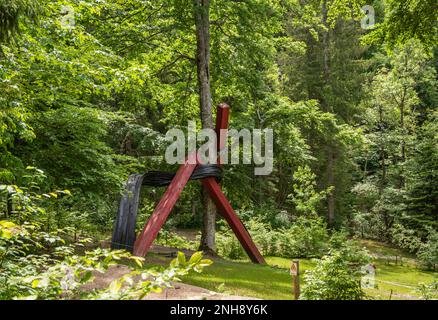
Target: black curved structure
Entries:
(124, 228)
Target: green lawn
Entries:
(401, 278)
(244, 279)
(274, 282)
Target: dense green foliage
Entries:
(305, 238)
(10, 13)
(39, 259)
(409, 19)
(88, 89)
(337, 275)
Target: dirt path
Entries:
(179, 291)
(182, 291)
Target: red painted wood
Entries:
(221, 202)
(222, 116)
(167, 202)
(224, 207)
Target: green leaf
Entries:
(196, 257)
(138, 261)
(35, 283)
(87, 276)
(115, 286)
(7, 224)
(181, 259)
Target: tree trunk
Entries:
(382, 151)
(403, 143)
(325, 45)
(330, 182)
(202, 22)
(327, 108)
(10, 206)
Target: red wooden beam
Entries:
(221, 202)
(167, 202)
(224, 207)
(222, 116)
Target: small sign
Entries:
(294, 268)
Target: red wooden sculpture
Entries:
(147, 236)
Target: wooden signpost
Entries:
(295, 273)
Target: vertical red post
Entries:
(222, 116)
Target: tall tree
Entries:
(398, 129)
(11, 11)
(328, 108)
(406, 20)
(202, 22)
(329, 72)
(422, 192)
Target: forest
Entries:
(89, 90)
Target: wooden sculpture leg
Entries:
(224, 207)
(161, 212)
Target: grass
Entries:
(397, 280)
(244, 279)
(236, 278)
(274, 282)
(393, 281)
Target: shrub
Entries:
(306, 238)
(268, 215)
(228, 246)
(40, 262)
(172, 239)
(265, 238)
(426, 250)
(39, 265)
(428, 291)
(406, 239)
(305, 197)
(427, 255)
(337, 275)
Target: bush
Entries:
(268, 215)
(406, 239)
(264, 236)
(306, 238)
(40, 262)
(428, 291)
(172, 239)
(427, 255)
(337, 275)
(426, 250)
(305, 197)
(228, 246)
